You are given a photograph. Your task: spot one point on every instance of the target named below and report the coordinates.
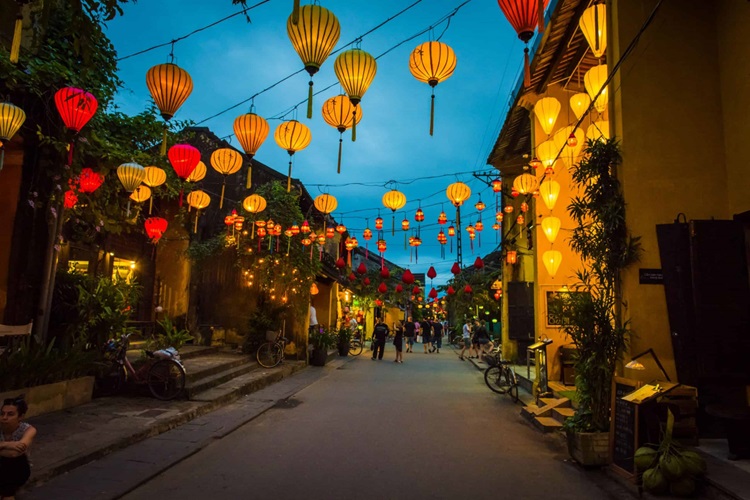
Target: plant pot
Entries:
(590, 449)
(318, 357)
(343, 348)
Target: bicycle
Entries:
(500, 377)
(271, 352)
(356, 345)
(163, 373)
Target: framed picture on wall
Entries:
(556, 305)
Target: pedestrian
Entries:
(398, 340)
(466, 333)
(15, 440)
(313, 320)
(379, 334)
(354, 327)
(437, 336)
(475, 340)
(482, 338)
(409, 333)
(426, 329)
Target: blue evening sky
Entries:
(234, 60)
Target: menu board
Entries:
(624, 426)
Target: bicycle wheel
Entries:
(512, 381)
(355, 348)
(111, 381)
(166, 379)
(269, 355)
(493, 377)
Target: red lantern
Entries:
(451, 231)
(433, 294)
(367, 234)
(76, 107)
(405, 224)
(520, 219)
(407, 277)
(480, 226)
(524, 16)
(378, 302)
(499, 216)
(419, 216)
(442, 218)
(366, 281)
(305, 227)
(496, 226)
(508, 209)
(498, 294)
(572, 140)
(467, 289)
(535, 163)
(362, 269)
(321, 239)
(155, 228)
(306, 242)
(431, 273)
(379, 223)
(294, 229)
(352, 277)
(184, 159)
(382, 245)
(416, 291)
(399, 288)
(90, 181)
(382, 288)
(70, 199)
(261, 232)
(497, 185)
(479, 263)
(450, 291)
(341, 229)
(524, 207)
(385, 273)
(330, 232)
(456, 269)
(480, 206)
(442, 238)
(341, 263)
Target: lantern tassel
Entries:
(295, 12)
(2, 156)
(541, 16)
(195, 227)
(341, 140)
(310, 99)
(15, 47)
(432, 112)
(223, 187)
(289, 178)
(526, 69)
(163, 151)
(150, 205)
(252, 230)
(249, 182)
(181, 194)
(393, 224)
(354, 125)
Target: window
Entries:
(123, 269)
(556, 307)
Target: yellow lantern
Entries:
(339, 113)
(131, 176)
(594, 81)
(155, 177)
(569, 155)
(458, 193)
(546, 111)
(551, 226)
(169, 86)
(326, 203)
(549, 190)
(314, 289)
(198, 200)
(198, 173)
(525, 183)
(579, 103)
(355, 70)
(552, 260)
(226, 161)
(598, 130)
(292, 136)
(11, 119)
(432, 62)
(254, 203)
(394, 200)
(141, 194)
(313, 36)
(547, 153)
(251, 130)
(593, 24)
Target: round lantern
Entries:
(382, 288)
(524, 15)
(155, 228)
(546, 111)
(520, 220)
(226, 161)
(432, 63)
(76, 107)
(549, 191)
(593, 24)
(525, 183)
(131, 176)
(598, 130)
(340, 113)
(326, 203)
(382, 246)
(199, 200)
(355, 70)
(292, 136)
(361, 269)
(394, 200)
(497, 185)
(183, 158)
(169, 86)
(594, 81)
(341, 229)
(479, 226)
(458, 193)
(313, 33)
(456, 269)
(579, 103)
(89, 181)
(508, 209)
(141, 194)
(499, 216)
(367, 234)
(480, 206)
(70, 198)
(552, 260)
(11, 119)
(330, 232)
(562, 139)
(251, 130)
(550, 227)
(155, 177)
(199, 173)
(255, 203)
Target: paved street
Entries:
(428, 428)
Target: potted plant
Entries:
(321, 341)
(592, 313)
(343, 339)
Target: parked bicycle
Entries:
(356, 345)
(163, 371)
(271, 352)
(500, 377)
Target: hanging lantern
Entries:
(89, 181)
(200, 200)
(70, 199)
(417, 291)
(478, 263)
(407, 277)
(467, 289)
(76, 108)
(432, 63)
(378, 223)
(524, 207)
(451, 231)
(238, 222)
(598, 130)
(508, 209)
(183, 158)
(262, 232)
(382, 246)
(405, 224)
(525, 183)
(458, 193)
(547, 152)
(169, 86)
(330, 232)
(306, 242)
(313, 35)
(385, 273)
(399, 288)
(549, 191)
(479, 226)
(352, 277)
(499, 216)
(226, 161)
(355, 70)
(593, 24)
(251, 130)
(572, 140)
(198, 173)
(294, 229)
(456, 269)
(496, 226)
(450, 290)
(339, 113)
(579, 103)
(594, 81)
(511, 257)
(362, 269)
(551, 226)
(552, 260)
(155, 177)
(367, 234)
(524, 16)
(497, 185)
(340, 263)
(292, 136)
(535, 163)
(141, 194)
(442, 218)
(155, 228)
(11, 120)
(520, 220)
(322, 238)
(394, 200)
(442, 238)
(326, 203)
(131, 175)
(341, 229)
(514, 192)
(431, 273)
(260, 223)
(562, 139)
(546, 110)
(419, 216)
(480, 206)
(382, 288)
(255, 203)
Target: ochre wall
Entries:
(173, 269)
(10, 181)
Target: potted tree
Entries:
(343, 339)
(593, 319)
(321, 341)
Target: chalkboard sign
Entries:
(624, 427)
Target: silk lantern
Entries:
(292, 136)
(598, 130)
(394, 200)
(339, 113)
(131, 176)
(76, 108)
(579, 103)
(524, 15)
(458, 193)
(169, 86)
(183, 158)
(141, 194)
(526, 183)
(155, 228)
(198, 200)
(594, 82)
(155, 177)
(552, 260)
(89, 181)
(11, 119)
(550, 227)
(355, 70)
(313, 35)
(546, 110)
(432, 63)
(226, 161)
(593, 24)
(549, 190)
(251, 130)
(198, 174)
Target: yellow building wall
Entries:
(681, 136)
(173, 270)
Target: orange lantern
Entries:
(339, 113)
(432, 63)
(292, 136)
(419, 216)
(497, 185)
(355, 70)
(251, 130)
(442, 218)
(169, 86)
(379, 223)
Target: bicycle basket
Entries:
(492, 360)
(271, 335)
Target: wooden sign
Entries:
(623, 434)
(650, 277)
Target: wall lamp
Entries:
(637, 365)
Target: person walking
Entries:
(426, 329)
(437, 336)
(379, 334)
(398, 340)
(15, 440)
(475, 340)
(466, 334)
(481, 338)
(409, 332)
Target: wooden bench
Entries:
(9, 332)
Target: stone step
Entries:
(205, 366)
(529, 412)
(562, 414)
(547, 424)
(201, 385)
(247, 383)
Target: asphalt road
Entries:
(427, 428)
